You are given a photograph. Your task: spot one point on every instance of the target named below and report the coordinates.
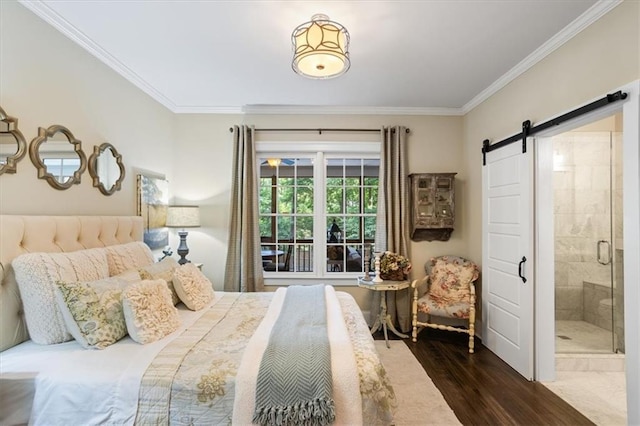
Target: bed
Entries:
(195, 375)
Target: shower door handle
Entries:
(608, 259)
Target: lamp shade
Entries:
(320, 48)
(183, 217)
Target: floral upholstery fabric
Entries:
(93, 311)
(148, 311)
(449, 287)
(192, 287)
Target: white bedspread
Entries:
(79, 386)
(193, 379)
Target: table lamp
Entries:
(183, 217)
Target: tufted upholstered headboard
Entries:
(30, 234)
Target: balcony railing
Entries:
(298, 257)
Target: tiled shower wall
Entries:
(582, 216)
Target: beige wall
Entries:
(47, 79)
(435, 145)
(603, 57)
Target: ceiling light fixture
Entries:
(320, 48)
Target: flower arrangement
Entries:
(394, 266)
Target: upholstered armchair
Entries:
(447, 291)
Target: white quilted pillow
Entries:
(37, 275)
(193, 288)
(123, 257)
(149, 311)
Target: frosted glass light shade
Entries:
(320, 48)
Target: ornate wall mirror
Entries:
(106, 168)
(58, 156)
(13, 146)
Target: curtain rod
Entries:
(320, 130)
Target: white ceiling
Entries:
(422, 57)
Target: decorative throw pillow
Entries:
(37, 275)
(148, 311)
(450, 281)
(93, 311)
(193, 288)
(162, 270)
(123, 257)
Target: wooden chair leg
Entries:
(472, 328)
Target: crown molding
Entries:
(50, 16)
(208, 110)
(345, 110)
(595, 12)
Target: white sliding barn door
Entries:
(507, 240)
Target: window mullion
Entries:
(319, 241)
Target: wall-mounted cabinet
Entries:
(433, 206)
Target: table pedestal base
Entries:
(383, 320)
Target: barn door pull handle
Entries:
(524, 259)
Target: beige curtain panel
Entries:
(393, 217)
(244, 264)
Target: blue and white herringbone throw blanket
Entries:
(294, 385)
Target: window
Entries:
(316, 221)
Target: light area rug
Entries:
(419, 401)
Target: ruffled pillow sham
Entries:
(162, 270)
(149, 311)
(192, 287)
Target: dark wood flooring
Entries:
(482, 389)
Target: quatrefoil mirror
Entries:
(58, 156)
(106, 168)
(13, 146)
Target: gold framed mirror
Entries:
(13, 146)
(106, 168)
(58, 156)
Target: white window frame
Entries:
(319, 151)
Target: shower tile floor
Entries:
(599, 395)
(582, 337)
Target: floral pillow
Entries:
(193, 288)
(162, 270)
(92, 311)
(450, 280)
(149, 311)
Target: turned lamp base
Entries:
(183, 250)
